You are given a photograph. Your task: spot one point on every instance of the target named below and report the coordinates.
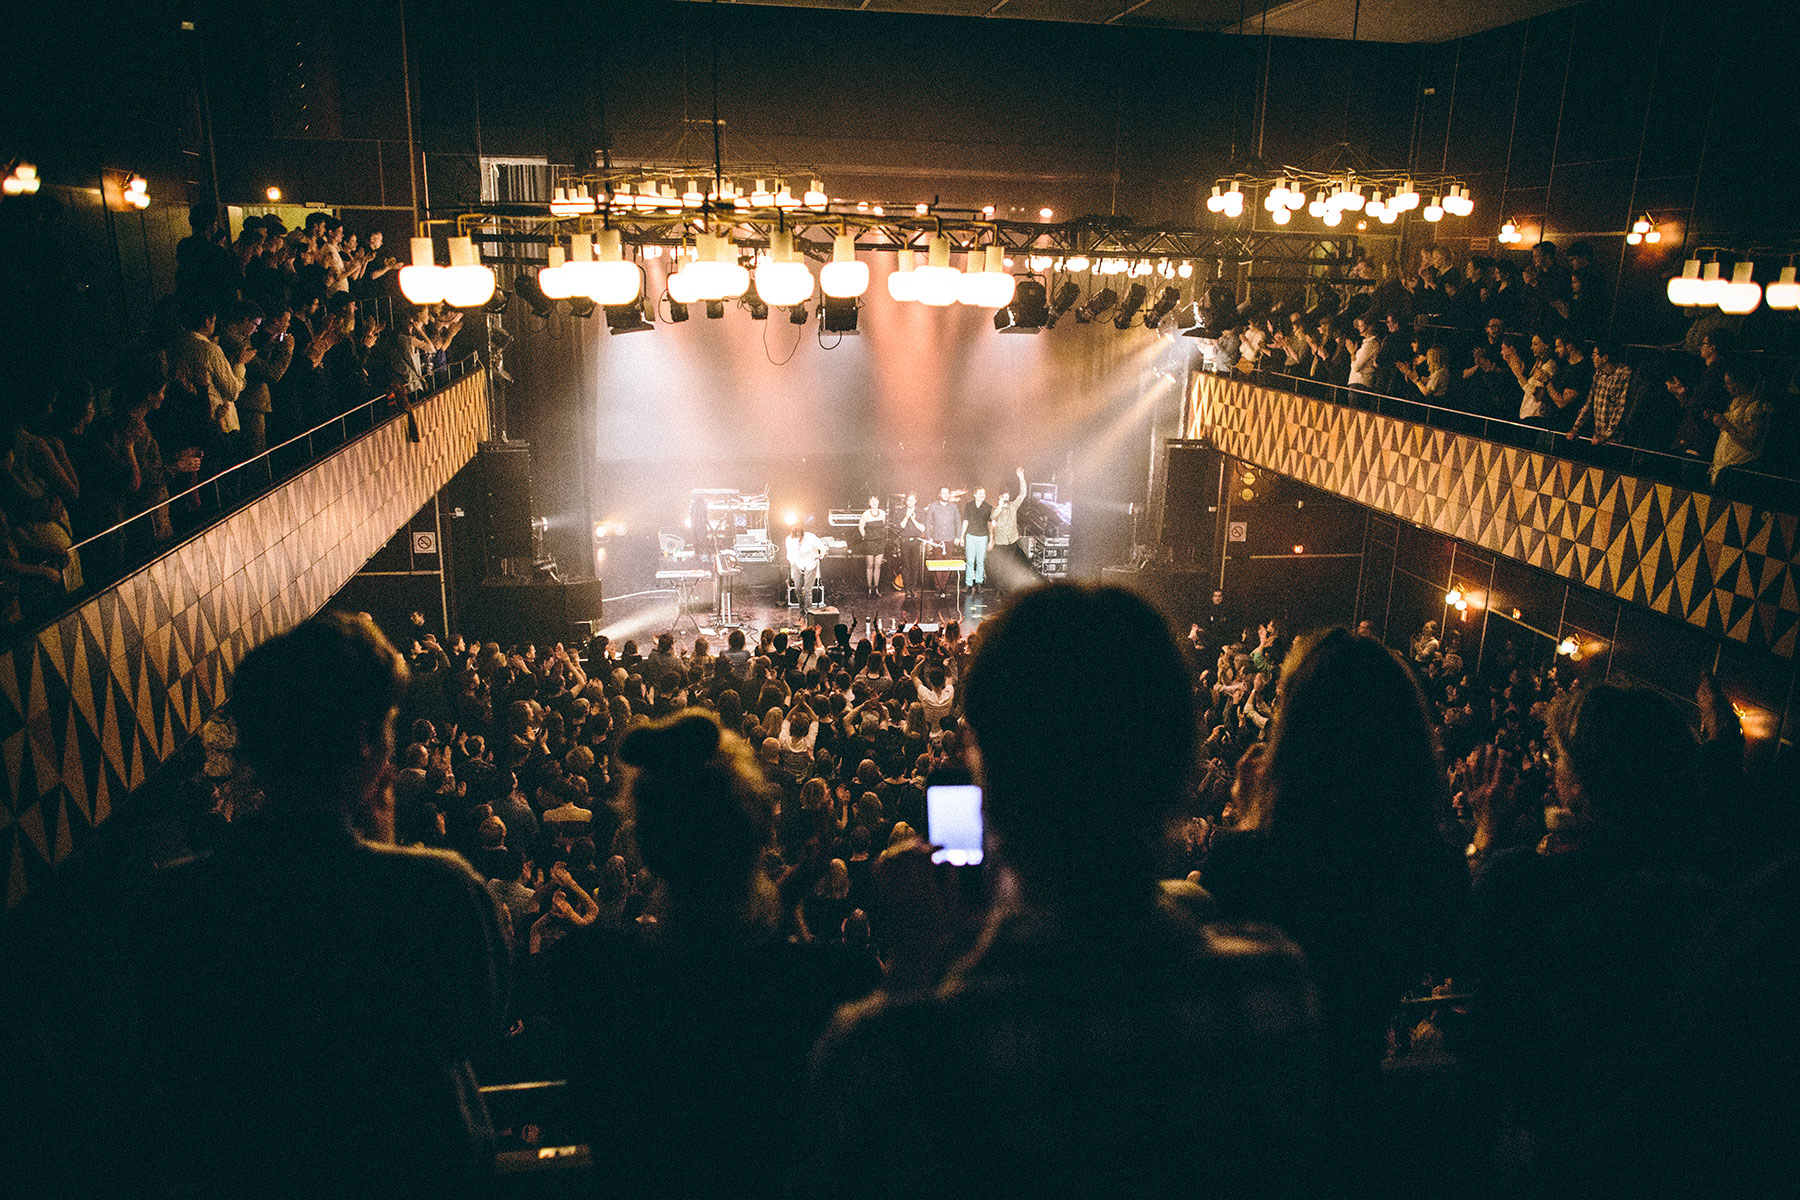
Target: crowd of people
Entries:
(702, 892)
(1523, 343)
(264, 337)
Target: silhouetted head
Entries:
(1079, 778)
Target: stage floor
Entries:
(643, 616)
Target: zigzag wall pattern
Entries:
(1719, 565)
(93, 704)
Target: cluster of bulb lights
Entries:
(1509, 234)
(1702, 286)
(604, 278)
(574, 200)
(1462, 600)
(1330, 204)
(465, 283)
(986, 283)
(22, 181)
(137, 192)
(1643, 230)
(1133, 268)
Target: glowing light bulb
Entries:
(1633, 238)
(782, 277)
(1333, 216)
(1784, 293)
(1706, 291)
(1682, 287)
(1742, 294)
(938, 281)
(815, 195)
(1046, 214)
(1434, 211)
(274, 195)
(423, 281)
(1282, 215)
(844, 278)
(1185, 270)
(613, 280)
(902, 283)
(1653, 237)
(552, 279)
(467, 284)
(1640, 226)
(1078, 262)
(1215, 202)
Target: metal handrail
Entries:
(1662, 465)
(437, 379)
(343, 418)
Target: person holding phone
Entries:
(1095, 1028)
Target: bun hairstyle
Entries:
(702, 808)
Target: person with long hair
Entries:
(1345, 846)
(687, 1039)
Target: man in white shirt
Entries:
(804, 550)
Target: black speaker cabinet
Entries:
(506, 501)
(543, 613)
(1190, 502)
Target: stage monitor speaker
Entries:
(1190, 502)
(505, 490)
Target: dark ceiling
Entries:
(1368, 20)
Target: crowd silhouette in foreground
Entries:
(700, 889)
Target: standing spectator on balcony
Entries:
(274, 345)
(309, 996)
(1534, 380)
(136, 398)
(1569, 383)
(1744, 425)
(401, 356)
(1330, 355)
(1699, 402)
(1488, 384)
(200, 364)
(1363, 360)
(204, 269)
(1395, 348)
(1435, 384)
(1605, 405)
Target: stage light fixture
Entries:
(797, 315)
(498, 303)
(715, 310)
(467, 284)
(424, 281)
(693, 197)
(1077, 262)
(678, 311)
(627, 318)
(1165, 304)
(815, 195)
(988, 284)
(1135, 296)
(1099, 303)
(1742, 294)
(552, 279)
(527, 289)
(1707, 290)
(611, 279)
(837, 314)
(782, 277)
(1682, 287)
(1282, 215)
(1189, 320)
(938, 281)
(754, 303)
(843, 278)
(580, 306)
(1046, 214)
(1063, 301)
(1029, 310)
(1784, 293)
(1434, 211)
(902, 282)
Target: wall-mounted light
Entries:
(22, 180)
(274, 194)
(137, 192)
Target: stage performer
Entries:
(912, 542)
(943, 529)
(874, 529)
(804, 550)
(1005, 537)
(977, 517)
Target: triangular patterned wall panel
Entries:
(1720, 565)
(92, 704)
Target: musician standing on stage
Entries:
(912, 535)
(804, 550)
(1006, 524)
(977, 515)
(872, 525)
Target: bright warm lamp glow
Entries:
(1282, 215)
(938, 281)
(843, 278)
(998, 285)
(902, 283)
(1681, 288)
(1706, 290)
(1333, 216)
(1078, 263)
(1434, 211)
(613, 280)
(552, 280)
(274, 195)
(1784, 293)
(423, 282)
(1742, 294)
(782, 279)
(467, 284)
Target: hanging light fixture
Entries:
(998, 285)
(1077, 262)
(1282, 215)
(783, 197)
(612, 280)
(782, 277)
(843, 278)
(938, 281)
(902, 282)
(1743, 293)
(815, 195)
(1509, 233)
(1353, 200)
(693, 197)
(552, 279)
(1333, 216)
(571, 202)
(1233, 202)
(423, 282)
(680, 283)
(1317, 207)
(1784, 293)
(1216, 201)
(467, 284)
(1434, 211)
(760, 195)
(1681, 287)
(1706, 292)
(137, 192)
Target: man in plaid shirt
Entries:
(1606, 399)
